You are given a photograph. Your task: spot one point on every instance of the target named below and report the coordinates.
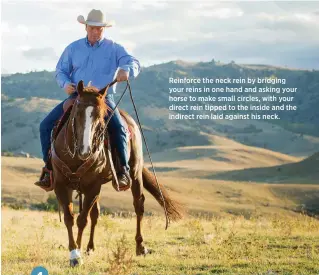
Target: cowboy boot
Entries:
(124, 179)
(45, 178)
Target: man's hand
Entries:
(70, 88)
(122, 75)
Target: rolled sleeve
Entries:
(127, 62)
(125, 68)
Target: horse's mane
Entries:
(91, 89)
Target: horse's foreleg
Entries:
(94, 214)
(138, 202)
(64, 196)
(82, 220)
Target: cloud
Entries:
(14, 30)
(221, 13)
(299, 55)
(301, 18)
(158, 31)
(144, 5)
(40, 54)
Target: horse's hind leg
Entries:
(138, 202)
(94, 214)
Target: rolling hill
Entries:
(34, 94)
(216, 166)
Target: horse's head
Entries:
(89, 113)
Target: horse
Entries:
(79, 146)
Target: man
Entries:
(96, 59)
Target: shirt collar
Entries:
(97, 44)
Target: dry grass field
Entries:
(202, 245)
(244, 205)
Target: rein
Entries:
(144, 139)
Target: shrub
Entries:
(50, 205)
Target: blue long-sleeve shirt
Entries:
(97, 63)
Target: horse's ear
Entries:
(103, 91)
(80, 87)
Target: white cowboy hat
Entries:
(95, 18)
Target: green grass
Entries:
(218, 245)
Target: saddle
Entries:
(110, 149)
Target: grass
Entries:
(202, 245)
(237, 227)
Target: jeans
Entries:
(116, 129)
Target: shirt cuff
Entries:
(65, 84)
(125, 68)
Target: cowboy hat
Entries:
(95, 18)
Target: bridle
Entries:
(98, 136)
(101, 131)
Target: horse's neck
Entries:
(64, 142)
(69, 140)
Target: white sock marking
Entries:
(75, 254)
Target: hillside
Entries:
(34, 94)
(161, 133)
(214, 179)
(220, 166)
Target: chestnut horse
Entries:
(80, 162)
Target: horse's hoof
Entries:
(143, 251)
(76, 262)
(75, 258)
(89, 252)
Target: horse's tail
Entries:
(175, 210)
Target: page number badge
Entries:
(39, 270)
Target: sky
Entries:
(35, 33)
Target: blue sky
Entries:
(34, 34)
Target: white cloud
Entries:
(144, 5)
(22, 48)
(158, 31)
(148, 27)
(306, 17)
(47, 53)
(291, 17)
(129, 45)
(14, 30)
(5, 27)
(221, 13)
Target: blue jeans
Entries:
(116, 130)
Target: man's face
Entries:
(95, 33)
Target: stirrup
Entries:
(51, 186)
(128, 185)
